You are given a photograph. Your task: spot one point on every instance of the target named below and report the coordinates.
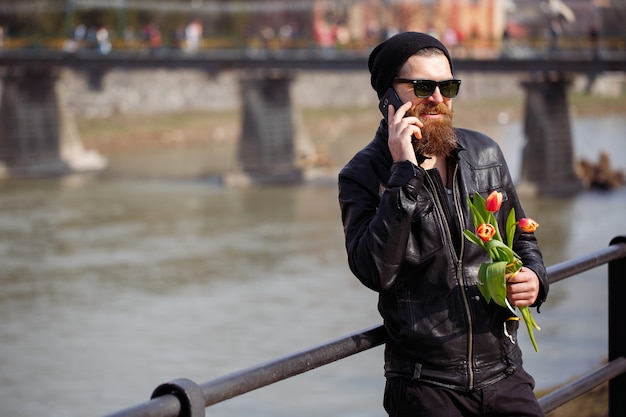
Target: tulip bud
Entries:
(493, 201)
(528, 225)
(485, 232)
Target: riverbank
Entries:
(197, 144)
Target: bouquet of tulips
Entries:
(505, 263)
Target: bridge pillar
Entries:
(267, 143)
(548, 157)
(38, 137)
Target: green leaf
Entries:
(477, 219)
(506, 254)
(511, 225)
(494, 222)
(479, 204)
(530, 324)
(482, 282)
(473, 238)
(496, 282)
(498, 251)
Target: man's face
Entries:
(434, 111)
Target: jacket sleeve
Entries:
(377, 225)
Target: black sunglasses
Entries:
(426, 88)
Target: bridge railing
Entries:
(185, 398)
(570, 42)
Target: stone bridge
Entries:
(39, 137)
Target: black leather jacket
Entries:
(404, 240)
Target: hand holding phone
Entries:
(390, 97)
(400, 150)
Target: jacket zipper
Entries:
(461, 278)
(459, 262)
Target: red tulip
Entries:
(528, 225)
(493, 201)
(485, 232)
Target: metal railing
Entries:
(185, 398)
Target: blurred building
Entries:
(373, 20)
(473, 23)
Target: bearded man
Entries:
(404, 206)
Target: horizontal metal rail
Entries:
(585, 383)
(247, 380)
(584, 263)
(264, 374)
(183, 397)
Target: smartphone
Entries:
(390, 97)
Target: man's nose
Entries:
(436, 96)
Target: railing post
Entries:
(617, 330)
(188, 394)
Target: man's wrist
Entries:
(401, 173)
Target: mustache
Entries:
(424, 108)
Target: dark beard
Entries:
(438, 136)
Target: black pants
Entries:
(511, 397)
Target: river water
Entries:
(111, 286)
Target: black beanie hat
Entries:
(387, 58)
